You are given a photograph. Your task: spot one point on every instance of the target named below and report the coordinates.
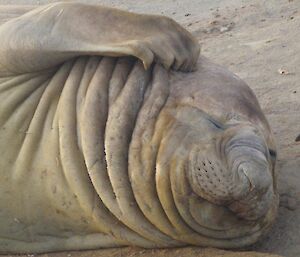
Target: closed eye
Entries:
(216, 123)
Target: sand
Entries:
(259, 41)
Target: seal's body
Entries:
(100, 152)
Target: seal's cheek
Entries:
(207, 176)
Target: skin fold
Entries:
(107, 139)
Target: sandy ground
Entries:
(259, 41)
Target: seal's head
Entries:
(223, 142)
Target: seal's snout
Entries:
(256, 175)
(246, 155)
(256, 194)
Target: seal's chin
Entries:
(235, 173)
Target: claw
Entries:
(143, 53)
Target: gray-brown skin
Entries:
(98, 151)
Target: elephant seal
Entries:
(97, 151)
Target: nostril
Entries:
(257, 174)
(272, 153)
(244, 174)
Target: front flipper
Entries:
(52, 34)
